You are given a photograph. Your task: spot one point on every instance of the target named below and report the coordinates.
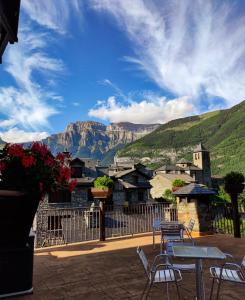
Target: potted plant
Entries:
(177, 183)
(26, 176)
(102, 187)
(234, 183)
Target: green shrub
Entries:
(103, 182)
(179, 183)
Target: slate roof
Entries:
(125, 172)
(184, 161)
(177, 168)
(172, 177)
(128, 185)
(169, 168)
(193, 189)
(87, 181)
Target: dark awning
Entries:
(9, 20)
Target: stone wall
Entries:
(197, 210)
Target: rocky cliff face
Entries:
(95, 140)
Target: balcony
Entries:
(111, 270)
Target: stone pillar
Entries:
(198, 210)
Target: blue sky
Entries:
(120, 60)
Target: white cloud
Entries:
(187, 47)
(15, 135)
(144, 112)
(26, 104)
(52, 14)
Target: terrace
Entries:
(112, 270)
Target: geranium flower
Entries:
(15, 150)
(72, 185)
(28, 161)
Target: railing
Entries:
(57, 226)
(222, 216)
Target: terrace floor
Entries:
(111, 270)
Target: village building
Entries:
(198, 171)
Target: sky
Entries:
(111, 61)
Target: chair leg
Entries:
(218, 289)
(167, 292)
(212, 288)
(148, 290)
(144, 290)
(178, 291)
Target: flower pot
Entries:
(100, 193)
(233, 188)
(17, 211)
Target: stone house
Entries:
(131, 186)
(198, 171)
(161, 182)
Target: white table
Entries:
(198, 253)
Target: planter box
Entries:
(99, 193)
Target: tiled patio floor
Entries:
(111, 270)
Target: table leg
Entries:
(153, 236)
(199, 280)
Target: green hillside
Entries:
(222, 132)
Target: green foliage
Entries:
(178, 183)
(222, 132)
(241, 198)
(234, 178)
(222, 196)
(168, 195)
(103, 182)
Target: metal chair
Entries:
(230, 272)
(155, 227)
(171, 232)
(189, 228)
(159, 273)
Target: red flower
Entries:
(64, 174)
(60, 157)
(49, 161)
(72, 185)
(40, 148)
(15, 150)
(28, 161)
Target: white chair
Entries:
(159, 273)
(230, 272)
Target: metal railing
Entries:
(222, 216)
(57, 226)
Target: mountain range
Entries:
(222, 132)
(96, 140)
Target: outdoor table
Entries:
(198, 253)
